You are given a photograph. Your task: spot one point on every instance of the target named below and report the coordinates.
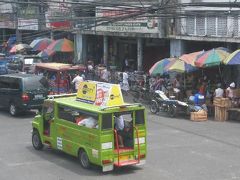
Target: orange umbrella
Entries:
(191, 57)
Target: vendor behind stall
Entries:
(229, 91)
(219, 92)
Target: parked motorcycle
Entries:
(161, 103)
(141, 94)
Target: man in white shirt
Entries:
(219, 91)
(229, 91)
(105, 75)
(76, 81)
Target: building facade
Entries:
(188, 26)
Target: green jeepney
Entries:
(82, 127)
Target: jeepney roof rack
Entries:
(52, 97)
(121, 106)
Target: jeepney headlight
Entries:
(141, 140)
(107, 145)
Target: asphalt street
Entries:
(178, 149)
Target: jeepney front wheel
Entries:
(83, 158)
(36, 140)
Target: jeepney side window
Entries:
(107, 121)
(78, 117)
(139, 117)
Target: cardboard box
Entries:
(236, 92)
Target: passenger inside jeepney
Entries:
(48, 114)
(123, 123)
(87, 121)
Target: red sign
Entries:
(60, 25)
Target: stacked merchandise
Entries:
(199, 116)
(221, 108)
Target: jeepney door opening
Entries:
(47, 114)
(123, 137)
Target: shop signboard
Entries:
(56, 14)
(27, 24)
(127, 20)
(6, 21)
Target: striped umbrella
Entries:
(61, 45)
(40, 44)
(19, 47)
(191, 57)
(180, 66)
(233, 58)
(46, 54)
(213, 57)
(158, 67)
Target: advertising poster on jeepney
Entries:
(100, 94)
(87, 92)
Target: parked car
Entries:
(24, 63)
(20, 92)
(3, 66)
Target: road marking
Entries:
(24, 163)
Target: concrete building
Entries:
(191, 25)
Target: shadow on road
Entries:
(27, 114)
(71, 163)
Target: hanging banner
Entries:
(100, 94)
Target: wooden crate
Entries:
(199, 116)
(221, 113)
(222, 102)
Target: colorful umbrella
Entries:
(180, 66)
(40, 44)
(46, 53)
(61, 45)
(19, 47)
(233, 58)
(212, 57)
(158, 67)
(191, 57)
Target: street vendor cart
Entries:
(59, 75)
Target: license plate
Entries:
(124, 158)
(38, 96)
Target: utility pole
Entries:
(18, 35)
(42, 21)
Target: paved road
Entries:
(178, 149)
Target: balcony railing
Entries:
(211, 26)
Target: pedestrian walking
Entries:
(76, 81)
(124, 84)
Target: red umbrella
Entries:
(46, 53)
(40, 44)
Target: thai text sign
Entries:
(125, 20)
